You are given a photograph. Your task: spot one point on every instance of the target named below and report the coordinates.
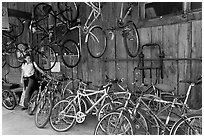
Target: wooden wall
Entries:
(181, 43)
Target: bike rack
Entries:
(141, 65)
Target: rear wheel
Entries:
(69, 10)
(190, 126)
(131, 39)
(43, 112)
(96, 42)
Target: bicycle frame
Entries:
(123, 18)
(95, 13)
(83, 93)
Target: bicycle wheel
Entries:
(69, 11)
(70, 53)
(189, 126)
(45, 57)
(96, 41)
(63, 116)
(116, 124)
(32, 103)
(16, 27)
(41, 10)
(43, 112)
(3, 60)
(131, 39)
(16, 57)
(8, 99)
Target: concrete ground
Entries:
(18, 122)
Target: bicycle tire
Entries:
(3, 60)
(58, 121)
(109, 120)
(96, 41)
(45, 105)
(16, 27)
(152, 123)
(17, 57)
(69, 11)
(46, 57)
(192, 125)
(32, 103)
(8, 99)
(70, 53)
(41, 10)
(131, 39)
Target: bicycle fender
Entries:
(88, 33)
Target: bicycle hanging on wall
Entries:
(70, 49)
(128, 30)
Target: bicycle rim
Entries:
(131, 39)
(70, 53)
(32, 103)
(17, 57)
(8, 99)
(16, 27)
(45, 57)
(43, 112)
(69, 11)
(41, 10)
(63, 116)
(189, 126)
(41, 17)
(116, 124)
(97, 42)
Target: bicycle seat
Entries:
(164, 87)
(10, 85)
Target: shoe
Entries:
(24, 108)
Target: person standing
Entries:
(28, 79)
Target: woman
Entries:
(28, 78)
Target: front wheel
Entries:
(96, 42)
(115, 123)
(63, 116)
(131, 39)
(16, 57)
(43, 112)
(45, 57)
(189, 126)
(32, 103)
(8, 99)
(70, 53)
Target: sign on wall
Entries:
(5, 20)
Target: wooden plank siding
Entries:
(180, 40)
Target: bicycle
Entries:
(153, 120)
(42, 100)
(74, 109)
(129, 30)
(16, 27)
(9, 98)
(70, 49)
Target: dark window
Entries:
(196, 6)
(157, 9)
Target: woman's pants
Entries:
(29, 85)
